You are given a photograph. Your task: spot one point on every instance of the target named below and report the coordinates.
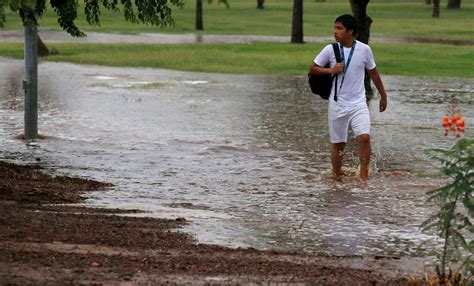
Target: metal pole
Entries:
(30, 84)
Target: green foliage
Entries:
(27, 9)
(67, 13)
(152, 12)
(2, 13)
(453, 221)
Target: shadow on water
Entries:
(243, 157)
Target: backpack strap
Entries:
(337, 53)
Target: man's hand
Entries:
(338, 68)
(383, 104)
(374, 75)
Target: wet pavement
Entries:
(244, 157)
(190, 38)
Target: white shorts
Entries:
(340, 118)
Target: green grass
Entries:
(260, 58)
(407, 18)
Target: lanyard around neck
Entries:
(346, 65)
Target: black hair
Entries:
(349, 22)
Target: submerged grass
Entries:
(260, 58)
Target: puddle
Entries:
(244, 158)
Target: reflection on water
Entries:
(243, 157)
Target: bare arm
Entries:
(374, 75)
(317, 70)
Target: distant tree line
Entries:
(452, 4)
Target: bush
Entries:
(453, 221)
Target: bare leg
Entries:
(336, 158)
(364, 155)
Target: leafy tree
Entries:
(152, 12)
(454, 4)
(435, 13)
(297, 22)
(199, 20)
(359, 10)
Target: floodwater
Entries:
(50, 36)
(151, 38)
(244, 158)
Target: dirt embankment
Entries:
(45, 244)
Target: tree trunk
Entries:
(43, 50)
(297, 25)
(454, 4)
(260, 4)
(199, 22)
(435, 9)
(359, 10)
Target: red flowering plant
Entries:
(455, 124)
(454, 219)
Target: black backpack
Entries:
(321, 84)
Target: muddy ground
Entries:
(44, 242)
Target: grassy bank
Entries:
(259, 58)
(407, 18)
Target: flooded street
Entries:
(244, 158)
(51, 36)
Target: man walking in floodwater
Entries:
(347, 102)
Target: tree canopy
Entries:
(152, 12)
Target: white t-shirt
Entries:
(352, 91)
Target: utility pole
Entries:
(30, 83)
